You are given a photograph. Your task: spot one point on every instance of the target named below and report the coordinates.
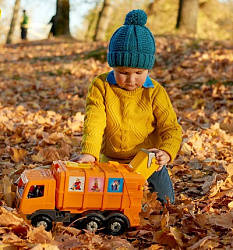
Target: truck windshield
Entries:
(21, 188)
(22, 183)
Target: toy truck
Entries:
(88, 195)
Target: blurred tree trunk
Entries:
(91, 22)
(13, 22)
(187, 16)
(103, 21)
(62, 18)
(90, 25)
(151, 7)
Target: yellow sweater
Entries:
(118, 123)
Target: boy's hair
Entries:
(132, 45)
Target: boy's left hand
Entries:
(162, 157)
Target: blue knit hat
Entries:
(132, 45)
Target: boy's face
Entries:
(130, 78)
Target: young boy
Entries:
(127, 111)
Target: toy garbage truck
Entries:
(89, 195)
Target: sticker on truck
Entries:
(76, 184)
(115, 185)
(96, 184)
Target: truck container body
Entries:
(98, 186)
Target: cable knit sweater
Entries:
(118, 123)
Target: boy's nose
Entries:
(131, 78)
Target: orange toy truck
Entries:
(91, 195)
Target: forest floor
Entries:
(42, 99)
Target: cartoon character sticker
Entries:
(96, 184)
(76, 184)
(115, 185)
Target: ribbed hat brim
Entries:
(130, 59)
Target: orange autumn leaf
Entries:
(19, 154)
(7, 218)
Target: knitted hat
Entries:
(132, 45)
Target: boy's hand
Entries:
(162, 157)
(83, 158)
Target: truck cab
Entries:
(36, 189)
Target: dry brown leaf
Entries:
(51, 154)
(165, 238)
(45, 246)
(38, 157)
(200, 243)
(8, 218)
(177, 235)
(7, 194)
(230, 205)
(19, 154)
(39, 235)
(186, 149)
(222, 220)
(165, 221)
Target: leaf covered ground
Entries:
(43, 86)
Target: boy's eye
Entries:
(139, 72)
(123, 73)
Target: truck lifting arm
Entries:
(144, 163)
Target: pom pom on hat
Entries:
(136, 17)
(132, 45)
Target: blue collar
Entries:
(111, 79)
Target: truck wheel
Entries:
(116, 226)
(43, 220)
(92, 223)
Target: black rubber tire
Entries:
(43, 220)
(116, 226)
(92, 223)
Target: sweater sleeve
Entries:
(169, 130)
(95, 119)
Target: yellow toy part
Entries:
(71, 164)
(144, 163)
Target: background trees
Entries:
(203, 18)
(62, 18)
(13, 21)
(187, 16)
(103, 21)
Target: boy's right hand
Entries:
(83, 158)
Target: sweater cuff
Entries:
(171, 150)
